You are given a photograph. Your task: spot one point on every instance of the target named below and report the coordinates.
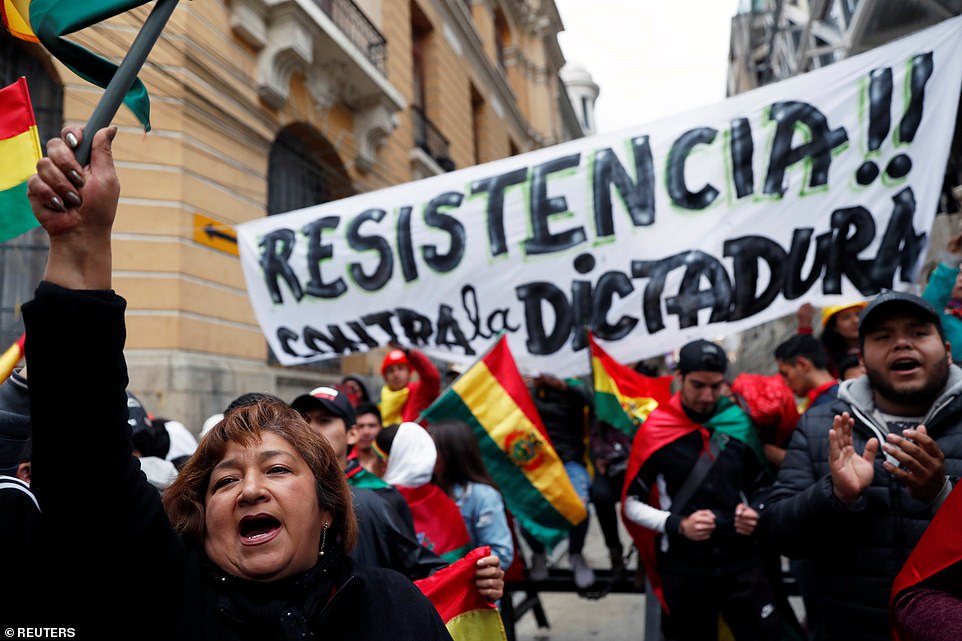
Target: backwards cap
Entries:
(702, 356)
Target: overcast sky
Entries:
(650, 58)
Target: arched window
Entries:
(22, 259)
(304, 170)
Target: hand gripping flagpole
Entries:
(123, 78)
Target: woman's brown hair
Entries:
(458, 448)
(184, 500)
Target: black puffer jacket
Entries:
(856, 550)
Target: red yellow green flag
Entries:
(437, 521)
(11, 357)
(623, 397)
(16, 18)
(939, 548)
(47, 21)
(467, 615)
(492, 398)
(19, 153)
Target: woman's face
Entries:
(846, 324)
(260, 524)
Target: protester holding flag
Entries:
(565, 409)
(623, 399)
(467, 615)
(491, 397)
(403, 399)
(694, 463)
(235, 551)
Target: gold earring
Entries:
(323, 540)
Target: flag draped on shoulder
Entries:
(437, 521)
(492, 398)
(19, 153)
(623, 397)
(666, 424)
(939, 548)
(47, 21)
(467, 615)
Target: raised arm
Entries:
(76, 206)
(100, 509)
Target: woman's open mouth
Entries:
(259, 528)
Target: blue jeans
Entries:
(578, 475)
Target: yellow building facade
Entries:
(264, 106)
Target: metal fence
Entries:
(430, 139)
(359, 29)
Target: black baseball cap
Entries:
(702, 356)
(331, 399)
(888, 302)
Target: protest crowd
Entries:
(844, 463)
(812, 497)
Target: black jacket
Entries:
(566, 415)
(856, 550)
(122, 570)
(384, 540)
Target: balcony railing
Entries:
(430, 140)
(349, 18)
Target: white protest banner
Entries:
(820, 188)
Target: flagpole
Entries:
(123, 78)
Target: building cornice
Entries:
(455, 13)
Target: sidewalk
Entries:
(615, 617)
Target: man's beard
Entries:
(699, 417)
(923, 395)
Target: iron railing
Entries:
(349, 18)
(428, 138)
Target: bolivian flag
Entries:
(19, 153)
(939, 548)
(492, 398)
(467, 615)
(16, 18)
(47, 21)
(623, 397)
(11, 357)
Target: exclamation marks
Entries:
(880, 117)
(879, 121)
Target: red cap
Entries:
(395, 357)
